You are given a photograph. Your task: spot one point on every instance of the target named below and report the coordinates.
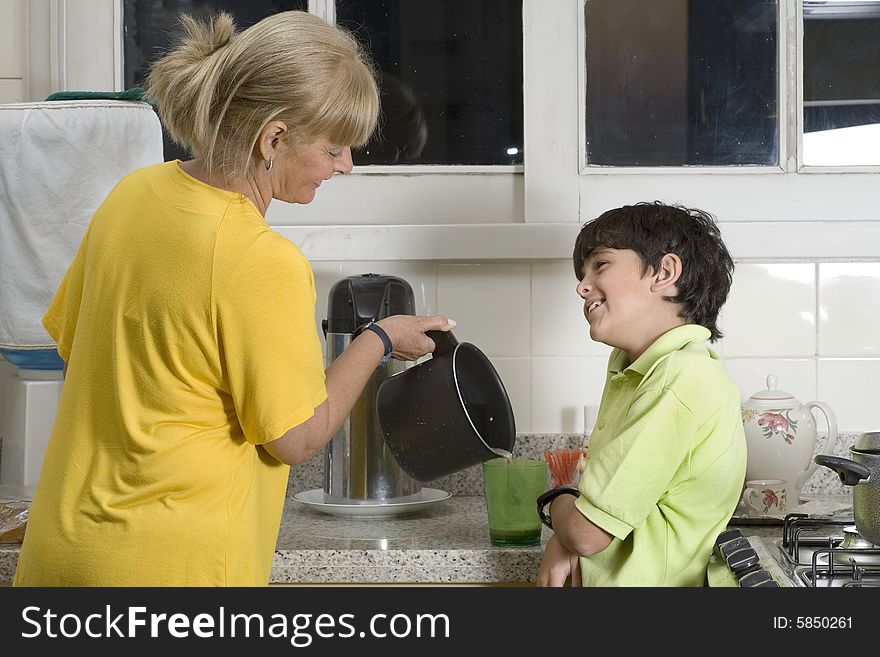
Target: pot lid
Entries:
(771, 393)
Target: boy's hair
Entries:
(654, 229)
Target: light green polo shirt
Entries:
(667, 463)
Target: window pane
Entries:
(451, 77)
(147, 25)
(841, 82)
(681, 82)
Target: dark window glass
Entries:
(149, 24)
(841, 82)
(451, 78)
(450, 72)
(681, 82)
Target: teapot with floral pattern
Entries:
(781, 436)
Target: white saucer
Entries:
(315, 499)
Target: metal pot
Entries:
(862, 472)
(446, 414)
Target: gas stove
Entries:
(827, 553)
(808, 553)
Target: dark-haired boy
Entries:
(668, 452)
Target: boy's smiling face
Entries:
(624, 305)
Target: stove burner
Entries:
(844, 559)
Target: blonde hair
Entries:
(218, 88)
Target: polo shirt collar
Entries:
(672, 340)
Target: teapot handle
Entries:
(825, 446)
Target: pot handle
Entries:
(444, 341)
(850, 472)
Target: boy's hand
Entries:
(557, 565)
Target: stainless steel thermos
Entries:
(358, 466)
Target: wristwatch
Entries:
(386, 341)
(544, 500)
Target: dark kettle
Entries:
(446, 414)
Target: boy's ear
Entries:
(666, 275)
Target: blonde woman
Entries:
(194, 375)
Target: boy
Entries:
(668, 452)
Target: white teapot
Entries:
(781, 437)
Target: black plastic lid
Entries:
(356, 300)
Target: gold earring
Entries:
(269, 164)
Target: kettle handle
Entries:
(444, 341)
(825, 447)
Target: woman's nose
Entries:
(344, 163)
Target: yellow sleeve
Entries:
(269, 345)
(62, 315)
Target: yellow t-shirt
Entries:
(667, 463)
(188, 328)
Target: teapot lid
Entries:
(772, 393)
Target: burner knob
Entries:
(742, 560)
(758, 577)
(725, 537)
(728, 548)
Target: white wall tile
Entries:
(848, 386)
(796, 376)
(771, 311)
(849, 309)
(11, 91)
(558, 324)
(490, 302)
(516, 376)
(12, 44)
(561, 387)
(527, 318)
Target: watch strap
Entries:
(378, 330)
(544, 500)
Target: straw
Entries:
(563, 464)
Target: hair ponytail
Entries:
(185, 81)
(217, 89)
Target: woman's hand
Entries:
(557, 564)
(407, 333)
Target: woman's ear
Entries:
(666, 275)
(270, 138)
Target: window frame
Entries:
(804, 197)
(787, 211)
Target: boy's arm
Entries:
(558, 565)
(574, 530)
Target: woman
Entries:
(194, 372)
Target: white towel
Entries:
(58, 160)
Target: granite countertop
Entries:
(445, 542)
